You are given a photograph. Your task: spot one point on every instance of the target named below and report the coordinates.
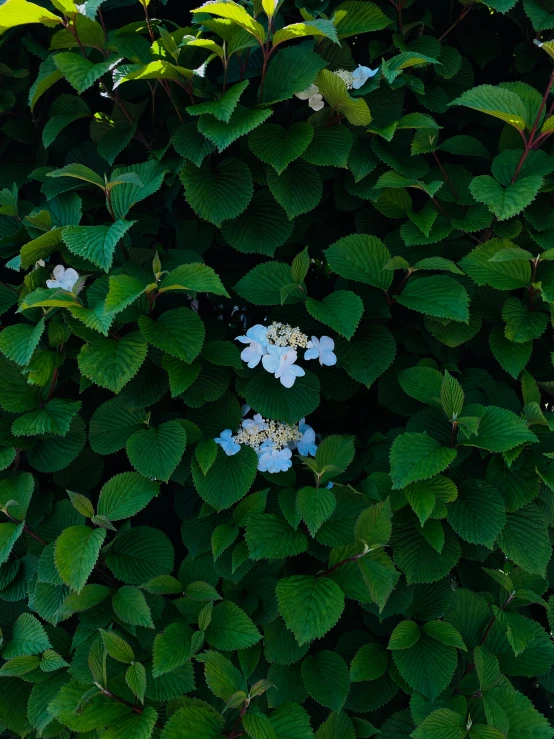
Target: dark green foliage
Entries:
(361, 193)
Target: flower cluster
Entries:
(275, 346)
(273, 442)
(352, 80)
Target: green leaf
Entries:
(228, 479)
(315, 505)
(522, 325)
(64, 110)
(360, 258)
(525, 540)
(193, 278)
(220, 193)
(171, 648)
(291, 70)
(111, 363)
(222, 677)
(112, 424)
(369, 663)
(452, 396)
(190, 144)
(404, 635)
(416, 457)
(156, 452)
(374, 525)
(497, 102)
(478, 514)
(224, 133)
(334, 91)
(341, 310)
(235, 13)
(479, 266)
(20, 12)
(179, 333)
(130, 606)
(500, 430)
(512, 357)
(317, 28)
(441, 724)
(263, 284)
(117, 647)
(298, 189)
(268, 537)
(96, 243)
(139, 726)
(54, 418)
(275, 401)
(354, 17)
(135, 677)
(369, 355)
(311, 606)
(28, 637)
(82, 73)
(261, 229)
(505, 202)
(439, 296)
(199, 720)
(330, 146)
(19, 342)
(422, 383)
(76, 553)
(327, 680)
(125, 494)
(278, 146)
(230, 628)
(223, 107)
(427, 666)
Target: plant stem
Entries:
(471, 665)
(353, 558)
(462, 15)
(531, 139)
(135, 709)
(446, 177)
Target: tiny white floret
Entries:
(64, 278)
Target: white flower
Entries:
(64, 278)
(346, 76)
(39, 263)
(313, 96)
(306, 446)
(361, 75)
(254, 425)
(321, 349)
(280, 361)
(256, 338)
(227, 443)
(273, 460)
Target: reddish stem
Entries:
(340, 564)
(446, 177)
(531, 140)
(462, 15)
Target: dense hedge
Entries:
(276, 369)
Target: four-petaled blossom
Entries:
(313, 96)
(64, 278)
(361, 75)
(306, 446)
(225, 440)
(273, 460)
(253, 425)
(280, 361)
(321, 349)
(256, 338)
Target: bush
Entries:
(275, 369)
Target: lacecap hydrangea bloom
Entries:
(273, 442)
